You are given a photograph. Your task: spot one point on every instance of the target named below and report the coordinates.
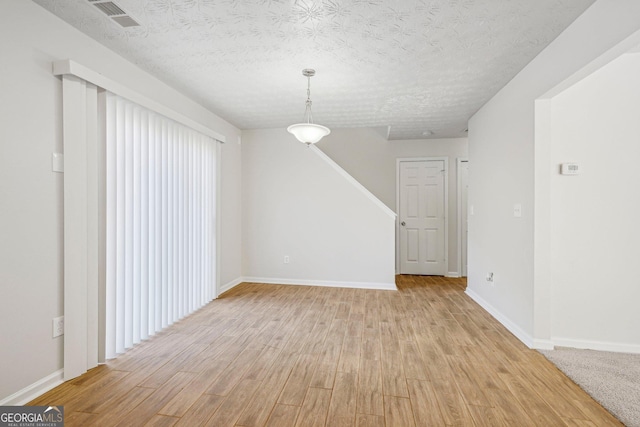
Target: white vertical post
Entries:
(80, 231)
(93, 200)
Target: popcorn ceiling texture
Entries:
(414, 65)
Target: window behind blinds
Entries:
(160, 222)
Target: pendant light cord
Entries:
(307, 111)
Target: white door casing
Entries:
(422, 216)
(463, 215)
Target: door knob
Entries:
(403, 223)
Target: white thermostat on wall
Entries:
(570, 169)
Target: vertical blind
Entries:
(160, 222)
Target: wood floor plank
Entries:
(80, 419)
(397, 412)
(371, 344)
(350, 357)
(258, 409)
(394, 383)
(486, 378)
(262, 364)
(403, 325)
(343, 310)
(57, 394)
(487, 416)
(90, 376)
(366, 420)
(466, 382)
(224, 346)
(510, 409)
(300, 378)
(370, 388)
(173, 366)
(414, 366)
(425, 403)
(570, 422)
(282, 416)
(535, 406)
(157, 400)
(371, 310)
(554, 395)
(319, 331)
(596, 413)
(327, 364)
(232, 407)
(299, 355)
(234, 372)
(451, 403)
(314, 409)
(342, 408)
(200, 412)
(183, 400)
(97, 389)
(355, 327)
(119, 405)
(162, 421)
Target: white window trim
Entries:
(81, 254)
(68, 66)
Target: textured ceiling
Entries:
(414, 65)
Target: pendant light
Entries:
(308, 132)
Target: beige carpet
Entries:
(613, 379)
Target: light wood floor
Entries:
(308, 356)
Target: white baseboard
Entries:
(596, 345)
(543, 344)
(452, 274)
(34, 390)
(331, 284)
(506, 322)
(224, 288)
(539, 344)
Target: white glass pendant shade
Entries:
(309, 133)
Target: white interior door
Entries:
(422, 217)
(463, 185)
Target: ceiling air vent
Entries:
(115, 12)
(110, 8)
(125, 21)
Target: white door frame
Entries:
(446, 206)
(460, 160)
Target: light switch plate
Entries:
(58, 326)
(57, 162)
(570, 169)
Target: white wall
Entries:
(296, 204)
(594, 216)
(31, 194)
(501, 172)
(371, 159)
(230, 199)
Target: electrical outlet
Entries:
(517, 210)
(489, 278)
(58, 326)
(286, 259)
